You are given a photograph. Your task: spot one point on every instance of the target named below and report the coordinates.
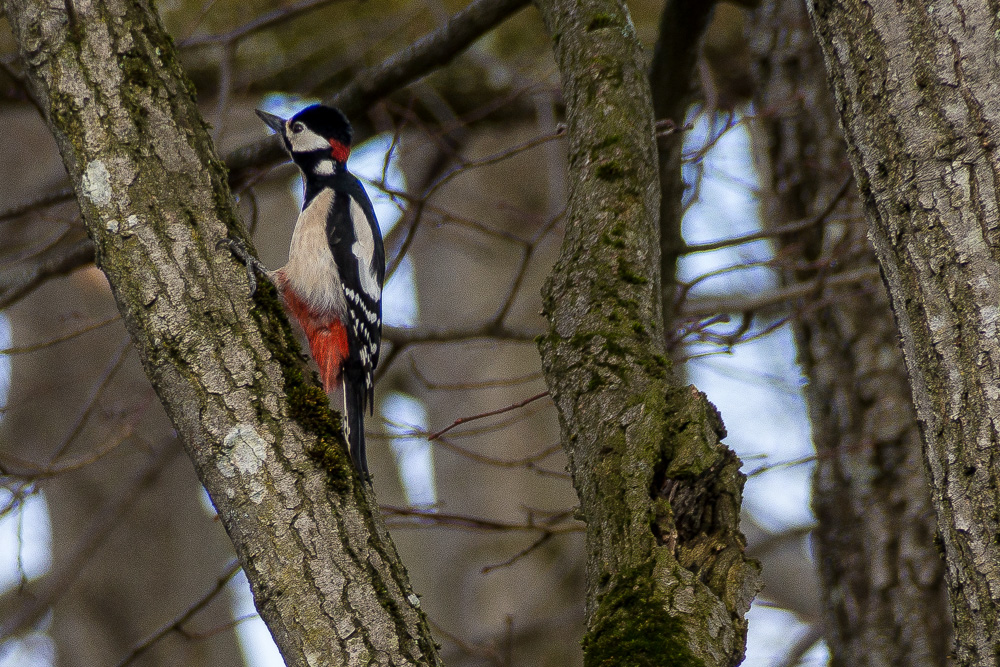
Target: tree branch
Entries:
(776, 299)
(177, 624)
(672, 79)
(57, 260)
(55, 583)
(427, 54)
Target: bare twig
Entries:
(102, 383)
(770, 233)
(43, 201)
(35, 347)
(507, 153)
(708, 306)
(59, 580)
(36, 472)
(491, 413)
(522, 270)
(756, 472)
(177, 625)
(542, 539)
(527, 462)
(402, 336)
(466, 386)
(432, 517)
(57, 261)
(269, 20)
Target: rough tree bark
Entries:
(883, 580)
(916, 88)
(667, 578)
(322, 568)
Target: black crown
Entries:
(327, 122)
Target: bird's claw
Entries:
(254, 265)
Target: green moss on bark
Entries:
(694, 428)
(308, 404)
(631, 627)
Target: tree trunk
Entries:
(915, 86)
(324, 573)
(883, 579)
(667, 578)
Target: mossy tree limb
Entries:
(667, 578)
(325, 576)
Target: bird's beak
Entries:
(276, 123)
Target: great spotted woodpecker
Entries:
(332, 283)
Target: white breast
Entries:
(310, 271)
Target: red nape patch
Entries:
(326, 334)
(339, 151)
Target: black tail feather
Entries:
(355, 418)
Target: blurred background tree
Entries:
(115, 555)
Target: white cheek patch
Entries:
(306, 140)
(364, 250)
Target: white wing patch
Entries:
(364, 250)
(311, 271)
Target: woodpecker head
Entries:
(318, 137)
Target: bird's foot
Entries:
(242, 253)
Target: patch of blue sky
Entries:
(406, 424)
(25, 539)
(25, 551)
(33, 650)
(757, 387)
(259, 649)
(726, 206)
(772, 633)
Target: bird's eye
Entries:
(298, 127)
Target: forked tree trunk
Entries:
(667, 578)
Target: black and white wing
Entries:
(356, 242)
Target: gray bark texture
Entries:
(916, 87)
(882, 577)
(324, 573)
(667, 578)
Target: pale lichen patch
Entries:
(97, 184)
(239, 363)
(244, 454)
